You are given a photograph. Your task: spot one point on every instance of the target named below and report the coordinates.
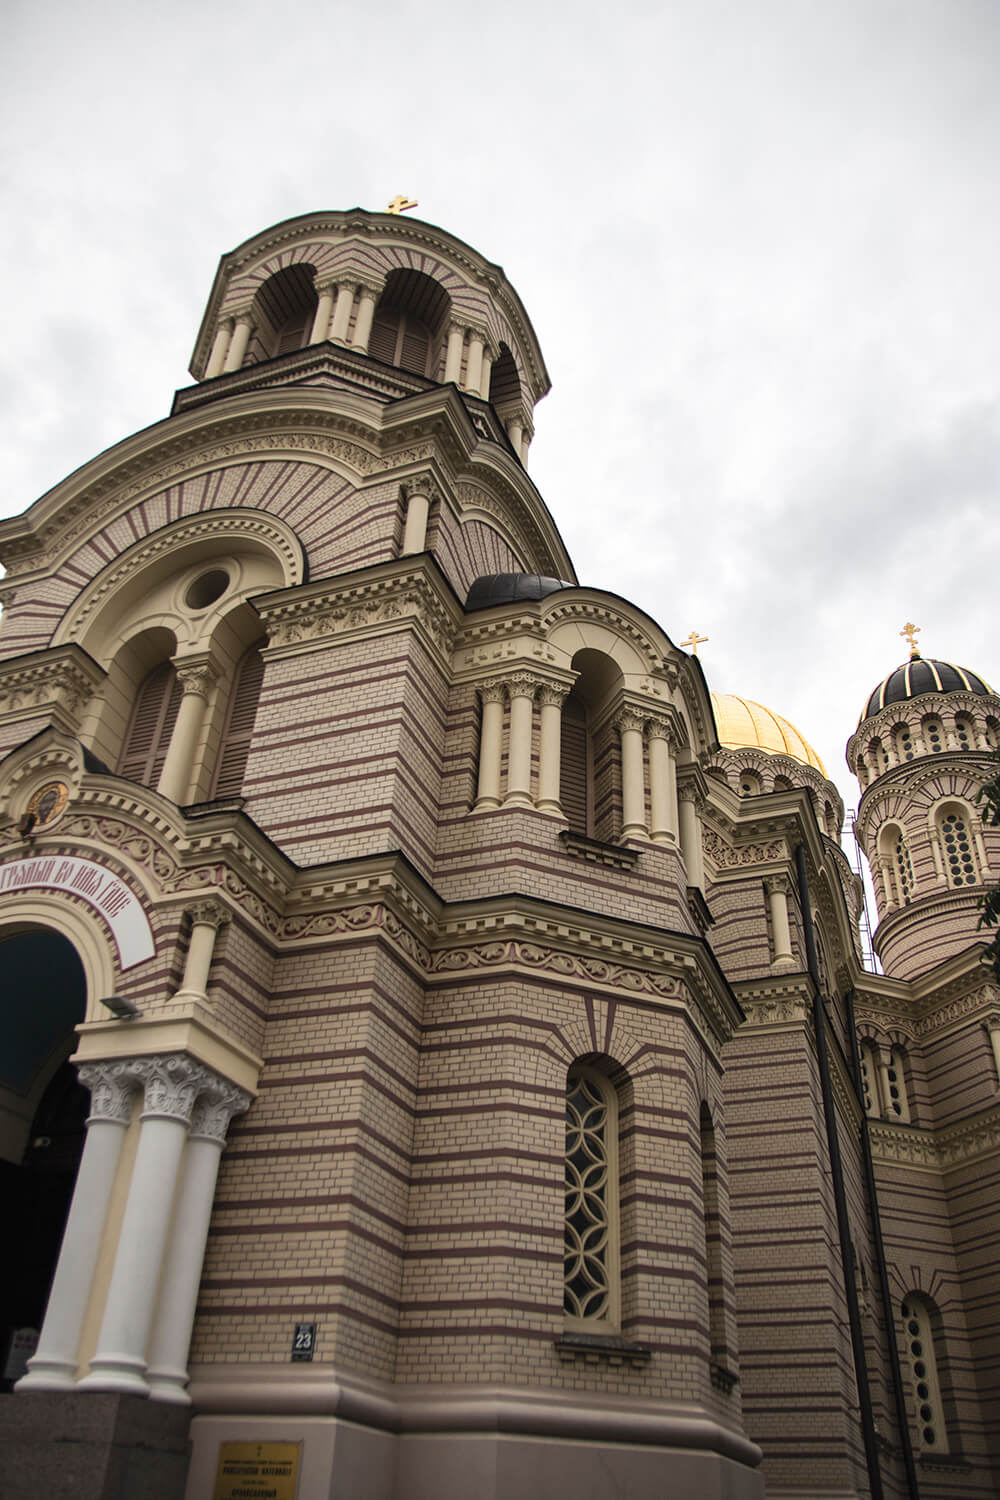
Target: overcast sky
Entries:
(759, 244)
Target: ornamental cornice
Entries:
(910, 784)
(727, 856)
(337, 609)
(63, 678)
(777, 1010)
(956, 1012)
(231, 438)
(937, 1150)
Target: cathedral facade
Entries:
(439, 1058)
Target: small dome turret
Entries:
(922, 675)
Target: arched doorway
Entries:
(43, 1112)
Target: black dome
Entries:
(920, 675)
(511, 588)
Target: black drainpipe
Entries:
(839, 1196)
(902, 1415)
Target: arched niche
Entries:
(410, 319)
(283, 309)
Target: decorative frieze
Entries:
(61, 679)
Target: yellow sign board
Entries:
(257, 1471)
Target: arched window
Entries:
(749, 784)
(591, 1294)
(505, 387)
(904, 742)
(877, 757)
(152, 723)
(933, 734)
(238, 731)
(993, 733)
(284, 309)
(960, 865)
(897, 1104)
(713, 1240)
(902, 868)
(965, 735)
(918, 1341)
(782, 784)
(868, 1053)
(576, 770)
(408, 319)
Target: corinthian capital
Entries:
(172, 1084)
(627, 719)
(214, 1110)
(211, 912)
(196, 677)
(111, 1085)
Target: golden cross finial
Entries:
(910, 631)
(401, 203)
(694, 640)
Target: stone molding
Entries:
(171, 1084)
(726, 856)
(255, 525)
(61, 678)
(197, 677)
(335, 610)
(209, 912)
(939, 1150)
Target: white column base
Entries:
(116, 1372)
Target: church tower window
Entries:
(284, 309)
(904, 869)
(590, 1285)
(956, 840)
(151, 725)
(964, 733)
(895, 1078)
(240, 716)
(869, 1078)
(904, 742)
(933, 735)
(408, 321)
(576, 770)
(926, 1392)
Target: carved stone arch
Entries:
(575, 624)
(206, 534)
(318, 254)
(81, 926)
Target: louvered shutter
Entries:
(293, 334)
(151, 726)
(239, 725)
(574, 768)
(382, 342)
(413, 354)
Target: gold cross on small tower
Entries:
(695, 640)
(910, 631)
(401, 203)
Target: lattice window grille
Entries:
(904, 870)
(588, 1224)
(923, 1365)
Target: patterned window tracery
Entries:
(869, 1078)
(895, 1078)
(959, 856)
(904, 742)
(590, 1291)
(904, 870)
(964, 733)
(934, 735)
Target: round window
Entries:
(206, 588)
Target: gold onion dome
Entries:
(745, 725)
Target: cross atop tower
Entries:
(694, 640)
(401, 203)
(910, 631)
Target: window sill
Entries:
(619, 856)
(595, 1348)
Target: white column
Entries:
(206, 919)
(522, 688)
(321, 322)
(474, 363)
(342, 312)
(366, 313)
(53, 1365)
(485, 373)
(418, 505)
(884, 1085)
(171, 1086)
(515, 431)
(525, 445)
(238, 342)
(196, 678)
(453, 357)
(629, 726)
(217, 358)
(690, 826)
(776, 887)
(493, 695)
(662, 784)
(167, 1373)
(550, 747)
